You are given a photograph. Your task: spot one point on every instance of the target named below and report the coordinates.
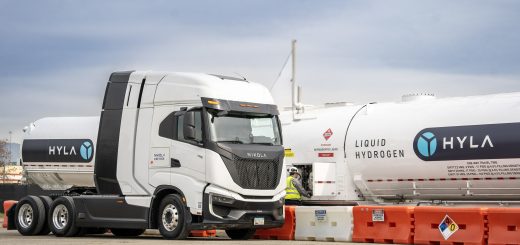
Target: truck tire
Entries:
(172, 218)
(240, 234)
(61, 217)
(47, 202)
(127, 232)
(29, 216)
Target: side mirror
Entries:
(188, 126)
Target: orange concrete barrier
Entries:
(444, 225)
(203, 233)
(504, 226)
(286, 232)
(7, 205)
(380, 224)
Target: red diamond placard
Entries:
(327, 134)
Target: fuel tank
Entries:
(59, 152)
(464, 148)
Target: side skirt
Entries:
(109, 212)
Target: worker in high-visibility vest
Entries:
(294, 190)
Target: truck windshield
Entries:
(238, 129)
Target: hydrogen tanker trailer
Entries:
(423, 149)
(170, 151)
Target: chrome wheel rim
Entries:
(170, 217)
(25, 216)
(60, 216)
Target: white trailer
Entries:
(460, 150)
(170, 151)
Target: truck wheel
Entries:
(47, 202)
(61, 217)
(127, 232)
(29, 216)
(172, 221)
(240, 234)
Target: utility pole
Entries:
(296, 106)
(10, 146)
(3, 158)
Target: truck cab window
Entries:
(198, 127)
(242, 129)
(167, 127)
(171, 126)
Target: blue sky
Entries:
(55, 56)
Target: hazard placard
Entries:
(448, 227)
(327, 134)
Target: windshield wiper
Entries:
(231, 141)
(262, 143)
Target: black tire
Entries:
(127, 232)
(174, 210)
(61, 217)
(47, 202)
(32, 217)
(83, 231)
(241, 234)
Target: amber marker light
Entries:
(213, 102)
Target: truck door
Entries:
(159, 161)
(187, 153)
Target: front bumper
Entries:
(240, 214)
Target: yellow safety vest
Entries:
(291, 191)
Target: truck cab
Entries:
(181, 151)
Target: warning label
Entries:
(448, 227)
(484, 168)
(378, 215)
(320, 215)
(327, 134)
(326, 154)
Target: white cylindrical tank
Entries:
(317, 142)
(453, 148)
(465, 148)
(59, 152)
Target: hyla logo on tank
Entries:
(486, 141)
(58, 150)
(427, 144)
(86, 150)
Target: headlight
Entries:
(222, 199)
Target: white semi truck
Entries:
(462, 150)
(170, 151)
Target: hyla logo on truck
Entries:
(57, 150)
(488, 141)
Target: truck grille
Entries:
(257, 173)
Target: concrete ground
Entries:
(13, 238)
(150, 237)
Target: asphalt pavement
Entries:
(150, 237)
(13, 238)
